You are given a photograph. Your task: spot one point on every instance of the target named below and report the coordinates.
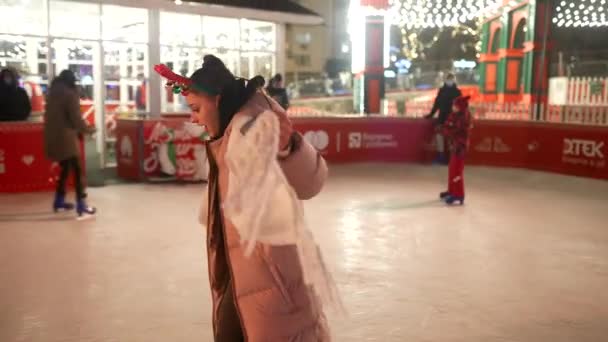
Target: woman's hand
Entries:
(286, 131)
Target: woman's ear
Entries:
(217, 100)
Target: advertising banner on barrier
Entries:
(498, 144)
(23, 165)
(129, 149)
(171, 148)
(174, 148)
(368, 139)
(568, 149)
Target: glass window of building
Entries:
(184, 61)
(75, 20)
(258, 35)
(79, 57)
(23, 44)
(258, 40)
(124, 24)
(23, 17)
(177, 29)
(221, 33)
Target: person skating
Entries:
(263, 296)
(63, 126)
(456, 129)
(277, 91)
(443, 104)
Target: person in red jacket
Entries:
(456, 129)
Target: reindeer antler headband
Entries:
(178, 83)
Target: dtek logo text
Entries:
(584, 148)
(354, 140)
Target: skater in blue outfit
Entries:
(63, 126)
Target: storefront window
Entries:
(220, 33)
(258, 35)
(124, 75)
(75, 20)
(23, 17)
(77, 56)
(184, 61)
(125, 24)
(27, 55)
(259, 63)
(180, 29)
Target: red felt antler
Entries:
(167, 73)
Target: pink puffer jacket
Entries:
(273, 303)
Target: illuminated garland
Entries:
(441, 13)
(581, 13)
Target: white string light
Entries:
(441, 13)
(581, 13)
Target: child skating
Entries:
(456, 130)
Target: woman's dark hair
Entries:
(215, 79)
(67, 78)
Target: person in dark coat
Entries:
(14, 103)
(63, 126)
(443, 104)
(276, 90)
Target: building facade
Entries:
(112, 45)
(309, 48)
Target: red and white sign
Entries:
(568, 149)
(23, 165)
(368, 139)
(170, 146)
(378, 4)
(128, 155)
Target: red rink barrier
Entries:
(366, 139)
(23, 165)
(561, 148)
(568, 149)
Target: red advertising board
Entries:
(129, 149)
(567, 149)
(150, 148)
(23, 165)
(368, 139)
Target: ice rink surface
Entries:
(526, 259)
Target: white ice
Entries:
(526, 260)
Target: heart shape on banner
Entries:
(28, 159)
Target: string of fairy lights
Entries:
(581, 13)
(440, 13)
(421, 14)
(465, 17)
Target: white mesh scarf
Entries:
(264, 207)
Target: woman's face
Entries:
(205, 111)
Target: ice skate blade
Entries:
(85, 217)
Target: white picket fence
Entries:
(578, 91)
(571, 114)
